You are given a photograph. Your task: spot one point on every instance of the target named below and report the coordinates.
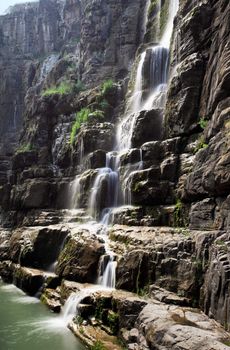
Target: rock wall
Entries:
(182, 185)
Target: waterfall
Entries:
(107, 269)
(125, 128)
(70, 309)
(158, 67)
(166, 37)
(47, 66)
(75, 193)
(105, 191)
(149, 91)
(158, 73)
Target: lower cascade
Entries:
(114, 175)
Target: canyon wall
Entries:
(174, 240)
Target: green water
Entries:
(26, 324)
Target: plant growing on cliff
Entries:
(113, 321)
(203, 123)
(63, 89)
(81, 117)
(26, 147)
(98, 346)
(78, 87)
(107, 86)
(177, 215)
(201, 144)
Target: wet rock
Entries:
(80, 258)
(29, 280)
(37, 247)
(183, 97)
(51, 299)
(147, 127)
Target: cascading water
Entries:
(108, 271)
(106, 190)
(47, 66)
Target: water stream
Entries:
(27, 324)
(108, 191)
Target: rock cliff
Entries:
(69, 70)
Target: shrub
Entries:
(203, 123)
(63, 89)
(81, 117)
(106, 86)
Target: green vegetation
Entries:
(78, 319)
(222, 245)
(177, 213)
(203, 123)
(27, 147)
(97, 114)
(78, 87)
(98, 346)
(83, 116)
(226, 342)
(104, 104)
(143, 292)
(113, 321)
(107, 86)
(63, 89)
(201, 144)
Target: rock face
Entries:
(64, 69)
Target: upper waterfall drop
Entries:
(166, 37)
(157, 57)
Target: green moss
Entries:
(201, 144)
(177, 214)
(113, 321)
(164, 16)
(226, 342)
(152, 7)
(63, 89)
(26, 147)
(101, 305)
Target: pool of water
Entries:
(26, 324)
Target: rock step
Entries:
(30, 280)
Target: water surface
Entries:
(26, 324)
